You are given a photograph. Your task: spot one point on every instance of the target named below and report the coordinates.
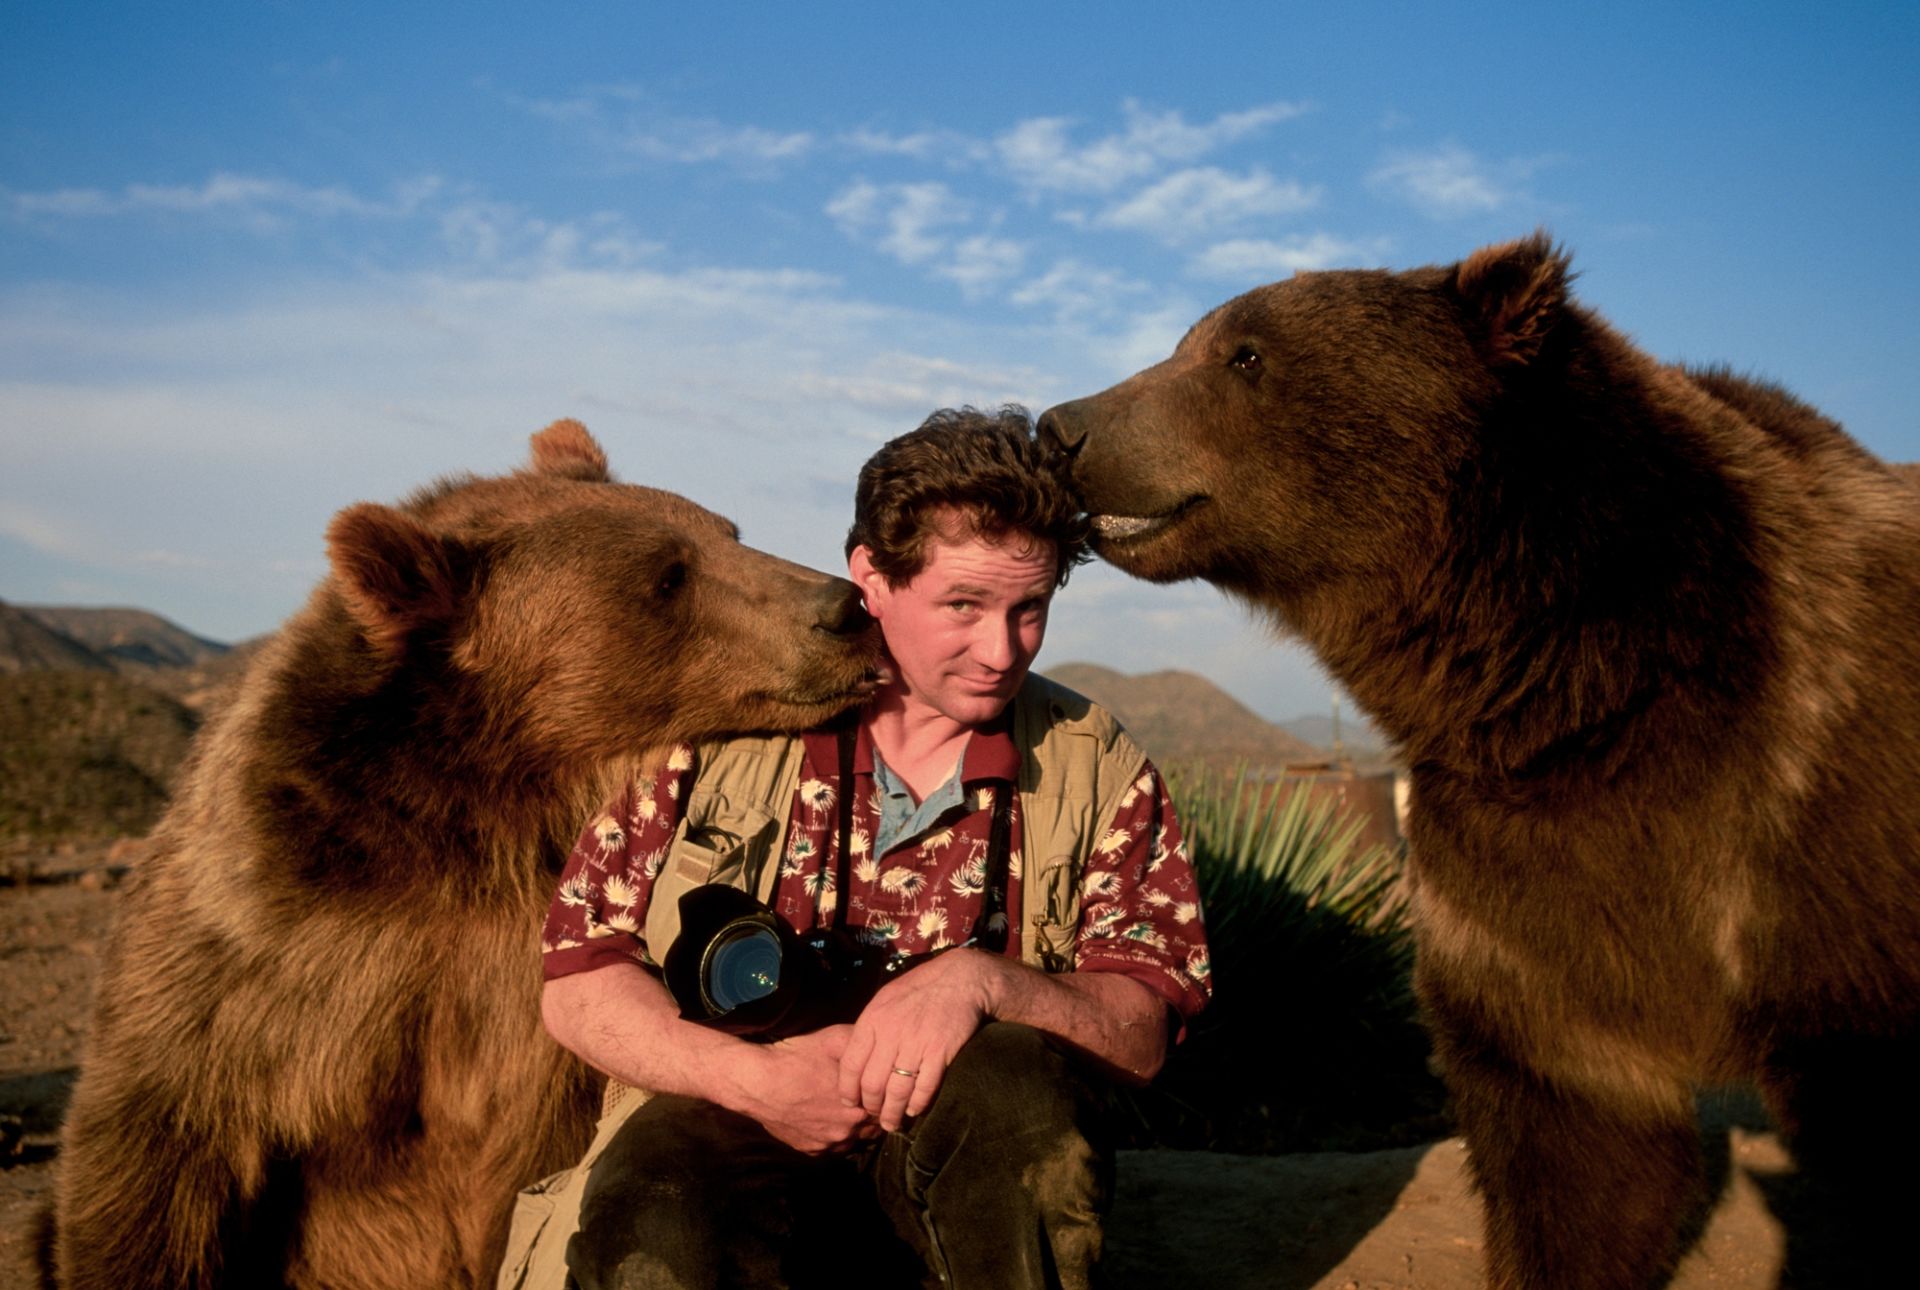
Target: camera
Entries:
(741, 968)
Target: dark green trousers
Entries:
(1000, 1185)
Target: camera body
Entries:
(741, 968)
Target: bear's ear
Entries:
(1513, 293)
(565, 450)
(395, 577)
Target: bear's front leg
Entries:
(1585, 1188)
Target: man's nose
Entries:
(994, 645)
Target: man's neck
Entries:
(920, 745)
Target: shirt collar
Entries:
(990, 751)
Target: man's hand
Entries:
(797, 1098)
(917, 1024)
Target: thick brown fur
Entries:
(316, 1057)
(1649, 640)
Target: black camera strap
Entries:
(841, 897)
(999, 846)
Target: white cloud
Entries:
(1193, 203)
(620, 120)
(907, 386)
(912, 224)
(904, 216)
(922, 145)
(1078, 292)
(981, 263)
(698, 141)
(1261, 260)
(1441, 182)
(252, 199)
(498, 232)
(1041, 154)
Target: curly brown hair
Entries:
(986, 469)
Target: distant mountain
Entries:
(1357, 736)
(1180, 717)
(130, 635)
(27, 644)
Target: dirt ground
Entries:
(1389, 1220)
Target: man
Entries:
(999, 825)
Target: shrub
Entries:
(1312, 1041)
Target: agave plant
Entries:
(1312, 1041)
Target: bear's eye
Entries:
(1246, 360)
(671, 579)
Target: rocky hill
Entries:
(27, 644)
(1182, 718)
(129, 636)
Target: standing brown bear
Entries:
(1649, 640)
(316, 1056)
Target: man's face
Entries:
(964, 630)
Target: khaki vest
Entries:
(1076, 763)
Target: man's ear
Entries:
(395, 576)
(872, 583)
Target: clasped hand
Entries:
(907, 1036)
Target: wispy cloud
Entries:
(922, 145)
(1447, 181)
(981, 263)
(1260, 260)
(1077, 292)
(250, 199)
(499, 232)
(1042, 155)
(918, 224)
(1194, 203)
(901, 219)
(696, 141)
(621, 121)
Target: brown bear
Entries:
(316, 1057)
(1649, 641)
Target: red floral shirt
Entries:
(1140, 905)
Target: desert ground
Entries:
(1387, 1220)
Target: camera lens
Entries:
(742, 964)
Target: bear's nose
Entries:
(838, 609)
(1063, 427)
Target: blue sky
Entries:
(260, 261)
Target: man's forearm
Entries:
(621, 1020)
(1116, 1020)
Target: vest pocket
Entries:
(1054, 902)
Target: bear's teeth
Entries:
(1120, 526)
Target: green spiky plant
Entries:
(1312, 1041)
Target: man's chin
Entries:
(977, 707)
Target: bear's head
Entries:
(1312, 429)
(555, 615)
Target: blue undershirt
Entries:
(900, 819)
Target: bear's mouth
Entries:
(1132, 528)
